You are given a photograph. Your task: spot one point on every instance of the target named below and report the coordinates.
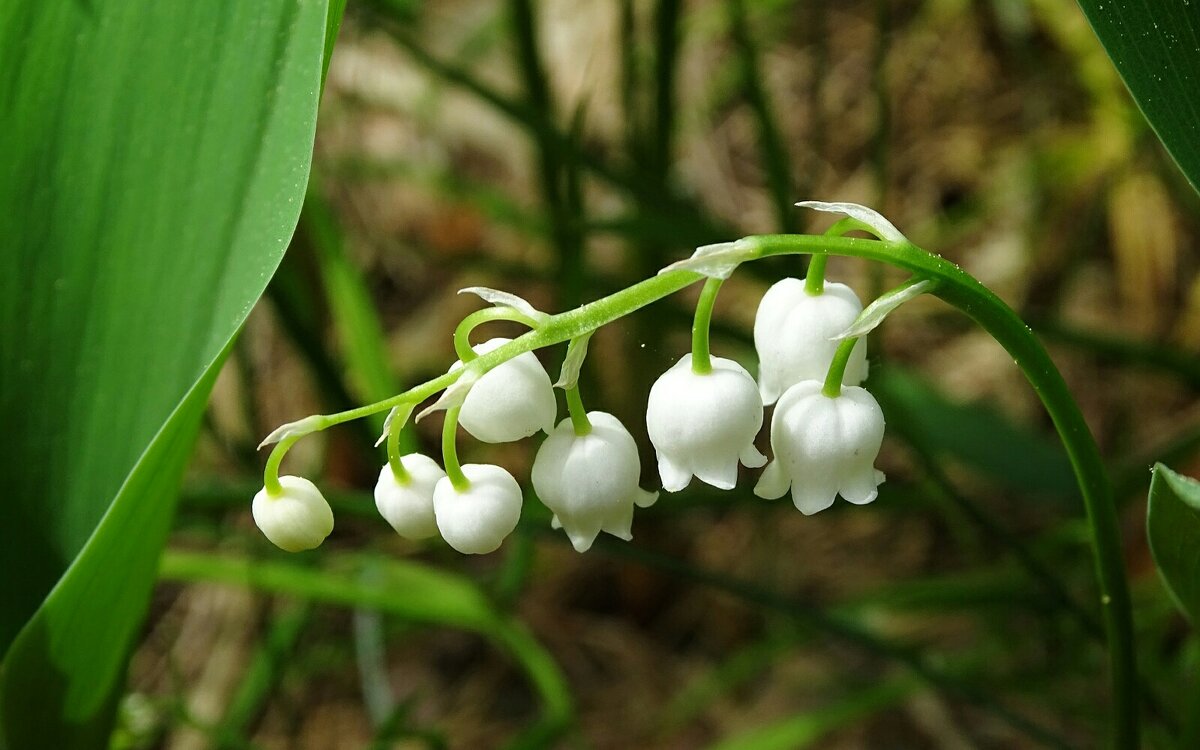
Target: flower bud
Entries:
(590, 481)
(793, 332)
(824, 446)
(511, 401)
(408, 507)
(297, 519)
(702, 424)
(476, 520)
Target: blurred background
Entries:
(564, 150)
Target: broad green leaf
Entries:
(1173, 525)
(401, 588)
(1155, 46)
(975, 434)
(155, 158)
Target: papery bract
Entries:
(824, 446)
(408, 506)
(298, 519)
(591, 481)
(476, 520)
(511, 401)
(793, 332)
(701, 424)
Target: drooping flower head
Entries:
(408, 506)
(793, 331)
(476, 520)
(511, 401)
(591, 481)
(295, 520)
(824, 446)
(701, 424)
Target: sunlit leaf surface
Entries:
(155, 157)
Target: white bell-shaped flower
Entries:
(824, 446)
(702, 425)
(591, 481)
(476, 520)
(408, 506)
(793, 332)
(297, 519)
(511, 401)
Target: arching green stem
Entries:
(701, 360)
(837, 368)
(957, 288)
(579, 417)
(462, 334)
(450, 450)
(961, 290)
(393, 453)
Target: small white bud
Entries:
(590, 481)
(702, 424)
(511, 401)
(409, 507)
(824, 447)
(476, 520)
(794, 335)
(297, 519)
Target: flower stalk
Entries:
(954, 286)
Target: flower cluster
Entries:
(702, 418)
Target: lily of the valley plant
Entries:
(703, 415)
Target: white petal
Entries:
(511, 401)
(868, 216)
(810, 499)
(555, 523)
(298, 519)
(860, 487)
(643, 498)
(751, 458)
(774, 482)
(408, 508)
(674, 477)
(477, 520)
(723, 476)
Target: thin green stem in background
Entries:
(701, 361)
(450, 450)
(579, 417)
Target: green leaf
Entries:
(156, 156)
(1155, 46)
(1173, 525)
